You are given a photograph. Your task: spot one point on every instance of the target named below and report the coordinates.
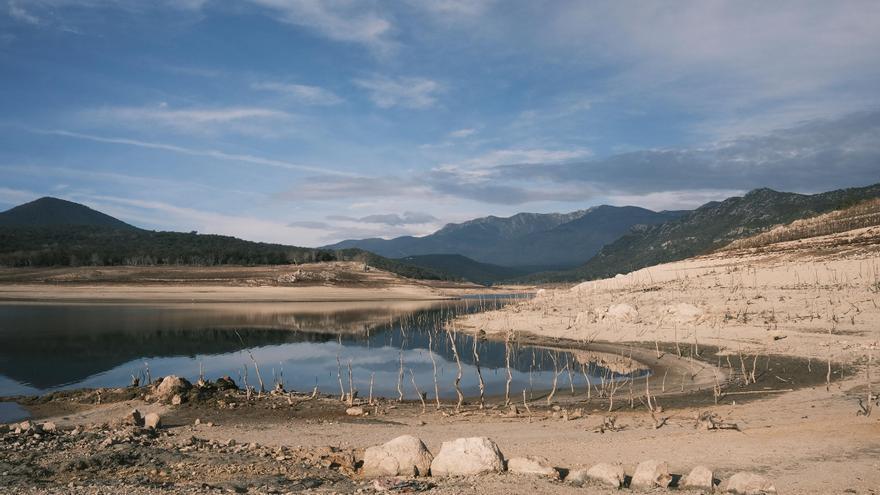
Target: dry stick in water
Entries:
(434, 364)
(587, 381)
(870, 404)
(339, 378)
(555, 378)
(828, 377)
(256, 368)
(418, 392)
(400, 380)
(458, 375)
(479, 372)
(526, 405)
(507, 366)
(350, 385)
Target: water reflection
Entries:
(47, 347)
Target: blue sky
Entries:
(307, 122)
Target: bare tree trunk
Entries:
(479, 372)
(400, 380)
(418, 392)
(339, 378)
(458, 375)
(555, 378)
(350, 385)
(507, 366)
(434, 364)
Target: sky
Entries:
(307, 122)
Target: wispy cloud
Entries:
(209, 153)
(407, 218)
(338, 20)
(14, 197)
(185, 219)
(327, 188)
(18, 13)
(462, 133)
(476, 167)
(311, 95)
(406, 92)
(813, 156)
(242, 120)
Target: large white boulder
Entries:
(608, 474)
(650, 474)
(701, 478)
(170, 386)
(532, 465)
(403, 456)
(744, 483)
(467, 456)
(622, 312)
(684, 312)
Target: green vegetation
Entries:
(103, 246)
(463, 267)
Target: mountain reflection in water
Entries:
(48, 347)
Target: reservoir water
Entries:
(47, 347)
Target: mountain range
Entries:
(709, 227)
(528, 241)
(528, 247)
(54, 232)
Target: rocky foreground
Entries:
(103, 448)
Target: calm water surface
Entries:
(51, 347)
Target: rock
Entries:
(467, 456)
(152, 421)
(700, 477)
(170, 386)
(226, 383)
(577, 477)
(25, 426)
(49, 427)
(176, 400)
(608, 474)
(532, 465)
(355, 411)
(403, 456)
(745, 483)
(684, 312)
(650, 474)
(622, 312)
(133, 418)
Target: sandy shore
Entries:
(210, 294)
(320, 282)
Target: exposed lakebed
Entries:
(47, 347)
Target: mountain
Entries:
(53, 212)
(707, 228)
(463, 267)
(530, 241)
(54, 232)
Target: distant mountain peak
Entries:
(52, 212)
